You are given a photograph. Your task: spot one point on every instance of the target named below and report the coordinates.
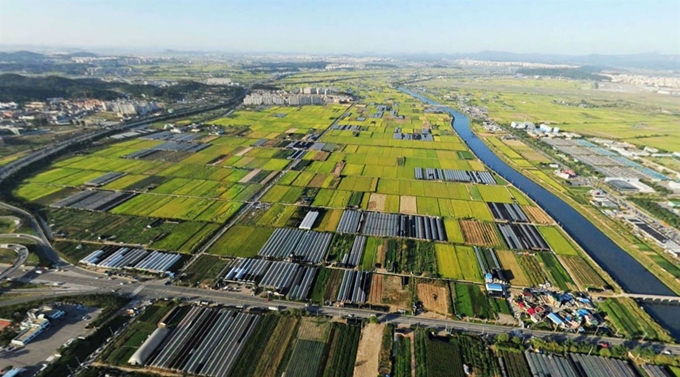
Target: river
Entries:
(626, 270)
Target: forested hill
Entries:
(20, 89)
(570, 73)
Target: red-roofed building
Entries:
(4, 323)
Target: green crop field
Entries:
(183, 199)
(631, 321)
(559, 275)
(368, 259)
(557, 241)
(241, 241)
(470, 301)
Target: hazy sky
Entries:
(543, 26)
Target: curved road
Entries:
(45, 250)
(22, 255)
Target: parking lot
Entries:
(33, 356)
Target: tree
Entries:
(502, 338)
(605, 352)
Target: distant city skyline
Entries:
(353, 27)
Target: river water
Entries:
(626, 270)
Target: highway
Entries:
(45, 249)
(22, 255)
(73, 282)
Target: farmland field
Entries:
(368, 260)
(368, 352)
(582, 272)
(402, 357)
(434, 296)
(306, 359)
(516, 275)
(274, 350)
(560, 277)
(241, 241)
(481, 233)
(343, 351)
(515, 363)
(203, 271)
(631, 321)
(535, 274)
(470, 301)
(557, 241)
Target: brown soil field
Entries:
(407, 204)
(321, 156)
(375, 295)
(380, 254)
(269, 177)
(377, 202)
(249, 176)
(243, 151)
(479, 233)
(393, 293)
(338, 168)
(434, 298)
(317, 181)
(271, 143)
(368, 352)
(333, 285)
(537, 215)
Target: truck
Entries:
(274, 308)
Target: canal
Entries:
(626, 270)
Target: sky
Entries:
(572, 27)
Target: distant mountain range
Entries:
(655, 61)
(641, 61)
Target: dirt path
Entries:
(368, 353)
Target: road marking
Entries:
(136, 291)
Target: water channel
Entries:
(626, 270)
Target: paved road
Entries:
(44, 247)
(156, 289)
(22, 255)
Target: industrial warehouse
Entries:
(204, 341)
(114, 257)
(470, 176)
(392, 225)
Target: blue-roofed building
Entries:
(556, 319)
(493, 288)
